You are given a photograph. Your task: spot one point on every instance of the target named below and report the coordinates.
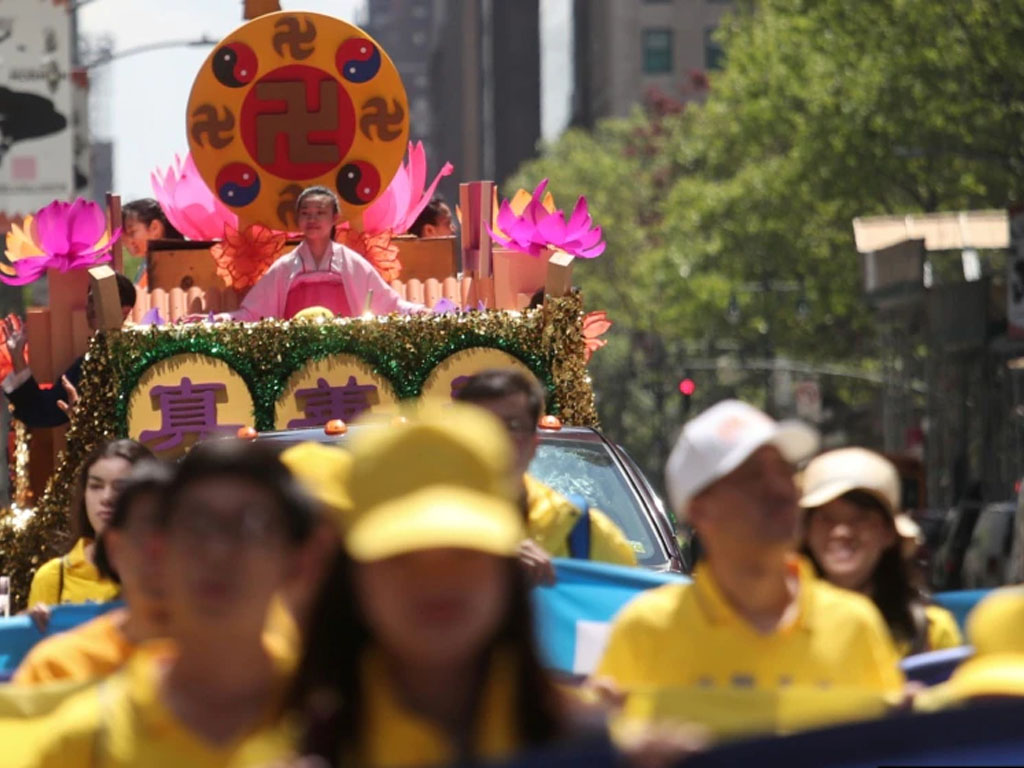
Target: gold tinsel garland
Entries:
(403, 349)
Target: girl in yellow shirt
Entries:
(123, 555)
(853, 500)
(419, 650)
(73, 577)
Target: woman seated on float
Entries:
(320, 272)
(73, 577)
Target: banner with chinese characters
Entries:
(451, 373)
(339, 387)
(185, 399)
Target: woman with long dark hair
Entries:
(73, 577)
(123, 555)
(852, 498)
(419, 649)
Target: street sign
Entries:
(36, 105)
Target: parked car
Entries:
(977, 549)
(579, 460)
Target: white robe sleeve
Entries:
(267, 298)
(386, 300)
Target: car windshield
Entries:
(588, 469)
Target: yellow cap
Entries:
(323, 470)
(997, 667)
(443, 478)
(994, 626)
(313, 313)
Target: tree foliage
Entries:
(826, 110)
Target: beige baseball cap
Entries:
(720, 439)
(838, 472)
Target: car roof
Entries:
(319, 435)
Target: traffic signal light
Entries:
(687, 387)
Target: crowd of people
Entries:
(370, 605)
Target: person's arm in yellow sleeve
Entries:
(622, 663)
(71, 733)
(882, 671)
(45, 584)
(943, 631)
(608, 544)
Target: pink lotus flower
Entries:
(68, 236)
(405, 198)
(189, 204)
(537, 229)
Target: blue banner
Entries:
(960, 603)
(573, 615)
(19, 633)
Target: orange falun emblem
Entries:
(291, 100)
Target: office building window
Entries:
(714, 54)
(657, 51)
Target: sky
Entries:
(139, 101)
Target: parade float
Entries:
(286, 101)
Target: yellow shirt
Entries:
(98, 648)
(87, 652)
(943, 631)
(551, 517)
(683, 635)
(393, 736)
(81, 580)
(122, 721)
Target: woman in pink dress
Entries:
(320, 273)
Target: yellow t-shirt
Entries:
(683, 635)
(87, 652)
(393, 736)
(122, 721)
(943, 631)
(551, 517)
(81, 581)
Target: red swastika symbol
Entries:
(297, 122)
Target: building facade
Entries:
(629, 50)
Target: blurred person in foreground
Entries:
(551, 519)
(420, 647)
(232, 527)
(996, 671)
(852, 536)
(323, 471)
(124, 556)
(755, 619)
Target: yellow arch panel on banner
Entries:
(448, 375)
(185, 399)
(291, 100)
(338, 387)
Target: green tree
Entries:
(826, 110)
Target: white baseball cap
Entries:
(719, 440)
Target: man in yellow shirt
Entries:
(755, 617)
(552, 520)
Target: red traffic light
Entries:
(687, 386)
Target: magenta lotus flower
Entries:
(68, 236)
(537, 229)
(189, 204)
(405, 198)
